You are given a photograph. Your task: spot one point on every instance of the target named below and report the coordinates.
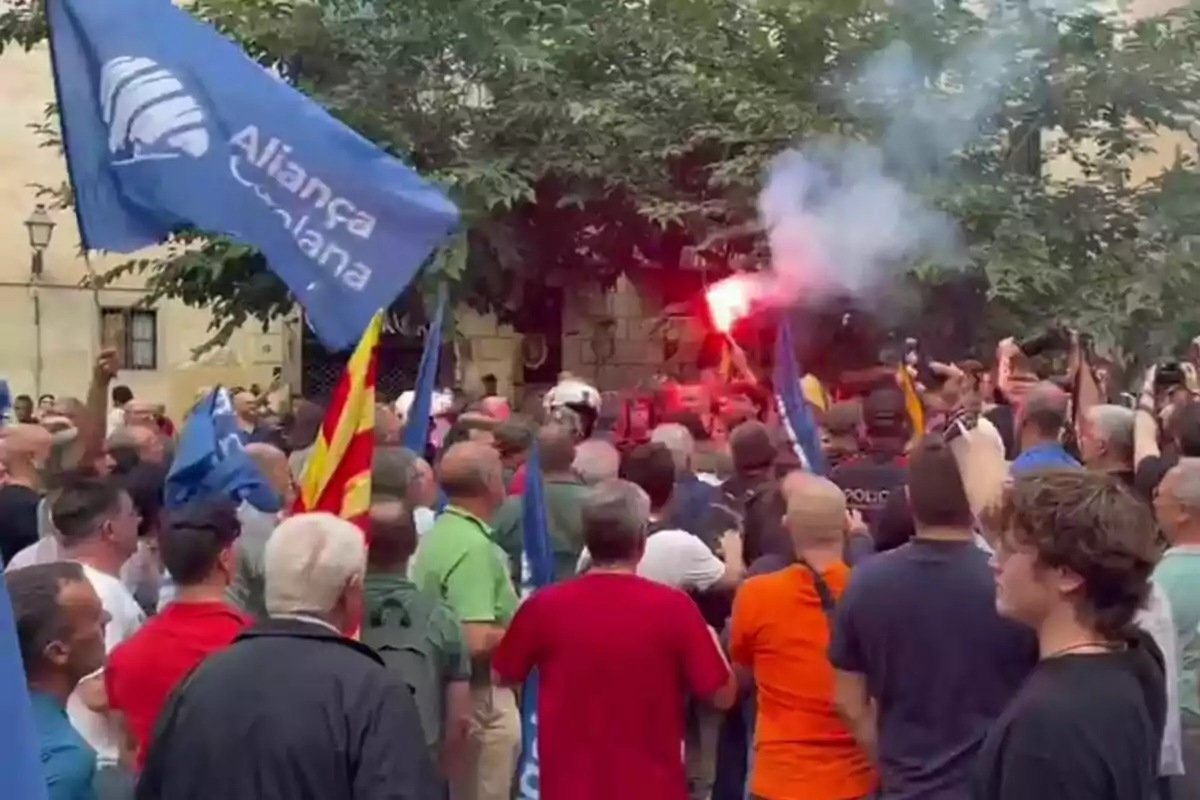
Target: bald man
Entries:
(496, 407)
(816, 514)
(1041, 419)
(140, 413)
(459, 561)
(26, 448)
(806, 494)
(779, 633)
(246, 590)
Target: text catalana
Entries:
(315, 230)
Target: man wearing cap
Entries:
(869, 478)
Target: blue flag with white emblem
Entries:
(168, 125)
(211, 462)
(537, 570)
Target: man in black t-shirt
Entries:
(1180, 438)
(1074, 565)
(924, 663)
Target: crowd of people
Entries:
(995, 596)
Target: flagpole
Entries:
(93, 278)
(63, 138)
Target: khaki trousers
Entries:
(703, 733)
(493, 747)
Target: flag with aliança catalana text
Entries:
(337, 475)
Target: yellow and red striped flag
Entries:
(912, 402)
(337, 476)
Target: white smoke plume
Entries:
(840, 213)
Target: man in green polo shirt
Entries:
(459, 562)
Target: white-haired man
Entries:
(1106, 440)
(295, 708)
(596, 461)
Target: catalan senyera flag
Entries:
(337, 476)
(912, 402)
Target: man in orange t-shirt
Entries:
(780, 632)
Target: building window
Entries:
(134, 334)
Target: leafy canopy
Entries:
(588, 138)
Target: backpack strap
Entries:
(828, 604)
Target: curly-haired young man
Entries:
(1073, 562)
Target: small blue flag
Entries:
(211, 460)
(794, 411)
(416, 428)
(21, 773)
(537, 571)
(167, 125)
(537, 567)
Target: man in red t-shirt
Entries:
(197, 548)
(617, 657)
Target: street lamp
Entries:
(41, 228)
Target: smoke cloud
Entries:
(841, 214)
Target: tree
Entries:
(1088, 246)
(579, 140)
(584, 139)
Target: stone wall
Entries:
(612, 339)
(630, 315)
(486, 347)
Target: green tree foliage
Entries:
(582, 139)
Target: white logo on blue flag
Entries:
(168, 125)
(143, 103)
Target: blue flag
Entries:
(537, 570)
(794, 411)
(211, 460)
(21, 773)
(168, 125)
(416, 428)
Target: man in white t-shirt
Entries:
(97, 527)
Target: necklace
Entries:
(1106, 647)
